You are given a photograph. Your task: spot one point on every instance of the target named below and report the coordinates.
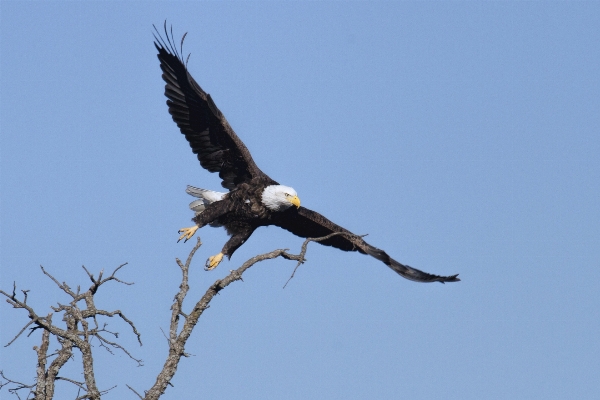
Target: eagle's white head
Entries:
(279, 197)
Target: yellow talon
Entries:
(187, 233)
(213, 261)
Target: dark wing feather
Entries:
(218, 147)
(307, 223)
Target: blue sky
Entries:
(462, 137)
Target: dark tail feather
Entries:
(406, 271)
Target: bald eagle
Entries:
(253, 198)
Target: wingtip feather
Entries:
(406, 271)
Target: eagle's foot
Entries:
(213, 261)
(187, 233)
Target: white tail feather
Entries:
(206, 197)
(210, 195)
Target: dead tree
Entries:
(80, 317)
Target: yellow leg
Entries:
(187, 233)
(213, 261)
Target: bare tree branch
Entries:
(63, 285)
(300, 257)
(20, 332)
(42, 351)
(19, 385)
(177, 341)
(124, 318)
(78, 333)
(80, 385)
(82, 327)
(64, 354)
(133, 390)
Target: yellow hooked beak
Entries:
(295, 201)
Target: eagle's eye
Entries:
(287, 195)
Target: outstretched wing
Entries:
(307, 223)
(204, 126)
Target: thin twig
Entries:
(79, 384)
(117, 346)
(15, 390)
(300, 258)
(133, 390)
(63, 285)
(124, 318)
(18, 334)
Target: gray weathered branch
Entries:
(79, 331)
(176, 340)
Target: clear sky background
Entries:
(462, 137)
